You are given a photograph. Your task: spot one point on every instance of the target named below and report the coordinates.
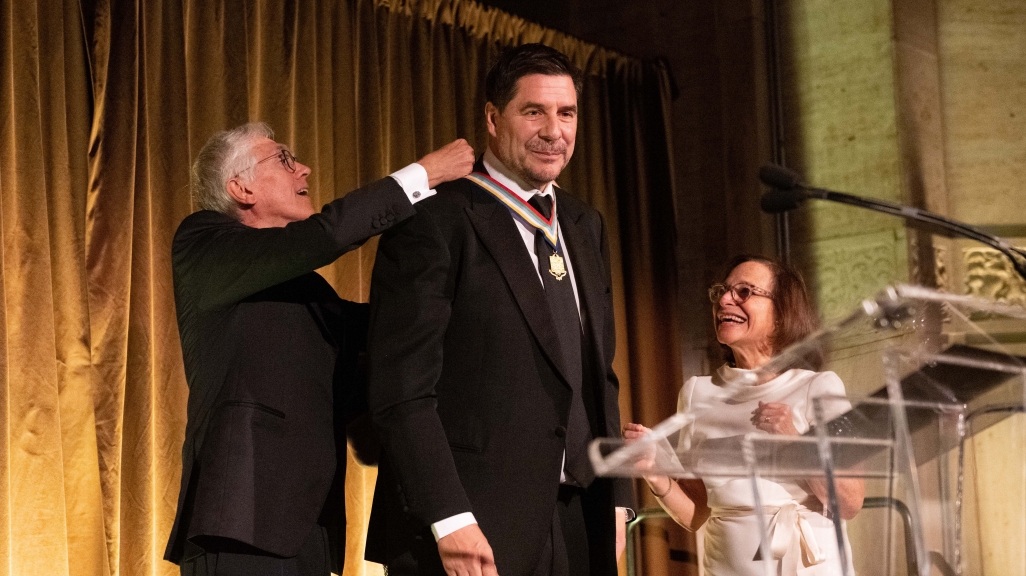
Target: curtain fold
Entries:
(48, 440)
(103, 104)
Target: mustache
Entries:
(547, 148)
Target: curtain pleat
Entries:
(103, 104)
(137, 193)
(50, 499)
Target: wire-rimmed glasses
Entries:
(288, 160)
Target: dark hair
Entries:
(796, 317)
(524, 60)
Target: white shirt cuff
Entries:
(414, 181)
(443, 528)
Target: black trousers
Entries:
(567, 552)
(229, 558)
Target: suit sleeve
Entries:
(411, 295)
(221, 263)
(623, 488)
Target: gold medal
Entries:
(556, 266)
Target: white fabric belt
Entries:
(788, 521)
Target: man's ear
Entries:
(491, 111)
(241, 194)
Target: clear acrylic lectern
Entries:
(921, 465)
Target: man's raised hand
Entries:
(452, 161)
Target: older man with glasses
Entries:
(270, 352)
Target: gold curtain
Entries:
(103, 103)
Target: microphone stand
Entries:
(951, 227)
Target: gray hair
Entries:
(226, 154)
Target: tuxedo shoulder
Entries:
(457, 190)
(197, 222)
(578, 203)
(450, 196)
(205, 218)
(571, 204)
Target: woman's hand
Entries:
(632, 431)
(677, 498)
(775, 418)
(659, 484)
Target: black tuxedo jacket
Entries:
(467, 389)
(269, 351)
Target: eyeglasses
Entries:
(739, 292)
(286, 158)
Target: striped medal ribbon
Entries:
(529, 215)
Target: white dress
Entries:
(732, 531)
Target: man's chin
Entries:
(546, 174)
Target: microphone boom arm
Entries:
(954, 228)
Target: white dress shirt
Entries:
(414, 181)
(501, 174)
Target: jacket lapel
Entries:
(499, 234)
(587, 267)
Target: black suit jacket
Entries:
(269, 351)
(466, 380)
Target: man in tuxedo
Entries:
(491, 348)
(270, 352)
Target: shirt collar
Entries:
(503, 175)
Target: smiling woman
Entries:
(777, 296)
(760, 308)
(745, 325)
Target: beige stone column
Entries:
(920, 102)
(982, 61)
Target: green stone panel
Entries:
(840, 109)
(841, 133)
(852, 268)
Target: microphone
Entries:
(779, 177)
(784, 193)
(777, 200)
(787, 191)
